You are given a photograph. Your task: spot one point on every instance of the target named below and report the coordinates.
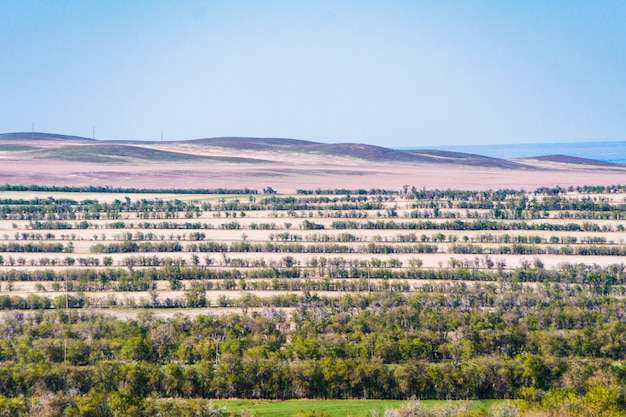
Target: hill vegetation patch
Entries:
(110, 153)
(8, 147)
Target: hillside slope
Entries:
(570, 160)
(284, 164)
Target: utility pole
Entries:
(93, 132)
(32, 132)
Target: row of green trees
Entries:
(500, 204)
(468, 225)
(124, 190)
(335, 267)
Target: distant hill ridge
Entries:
(40, 136)
(75, 148)
(566, 159)
(607, 151)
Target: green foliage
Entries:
(14, 407)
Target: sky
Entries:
(390, 73)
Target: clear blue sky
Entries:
(393, 73)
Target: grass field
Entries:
(334, 408)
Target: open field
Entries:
(334, 408)
(286, 165)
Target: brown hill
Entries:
(459, 158)
(285, 164)
(356, 150)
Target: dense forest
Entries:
(456, 342)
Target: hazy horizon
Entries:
(398, 74)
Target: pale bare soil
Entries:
(166, 313)
(432, 261)
(289, 172)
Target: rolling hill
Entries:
(285, 164)
(225, 149)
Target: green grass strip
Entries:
(334, 408)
